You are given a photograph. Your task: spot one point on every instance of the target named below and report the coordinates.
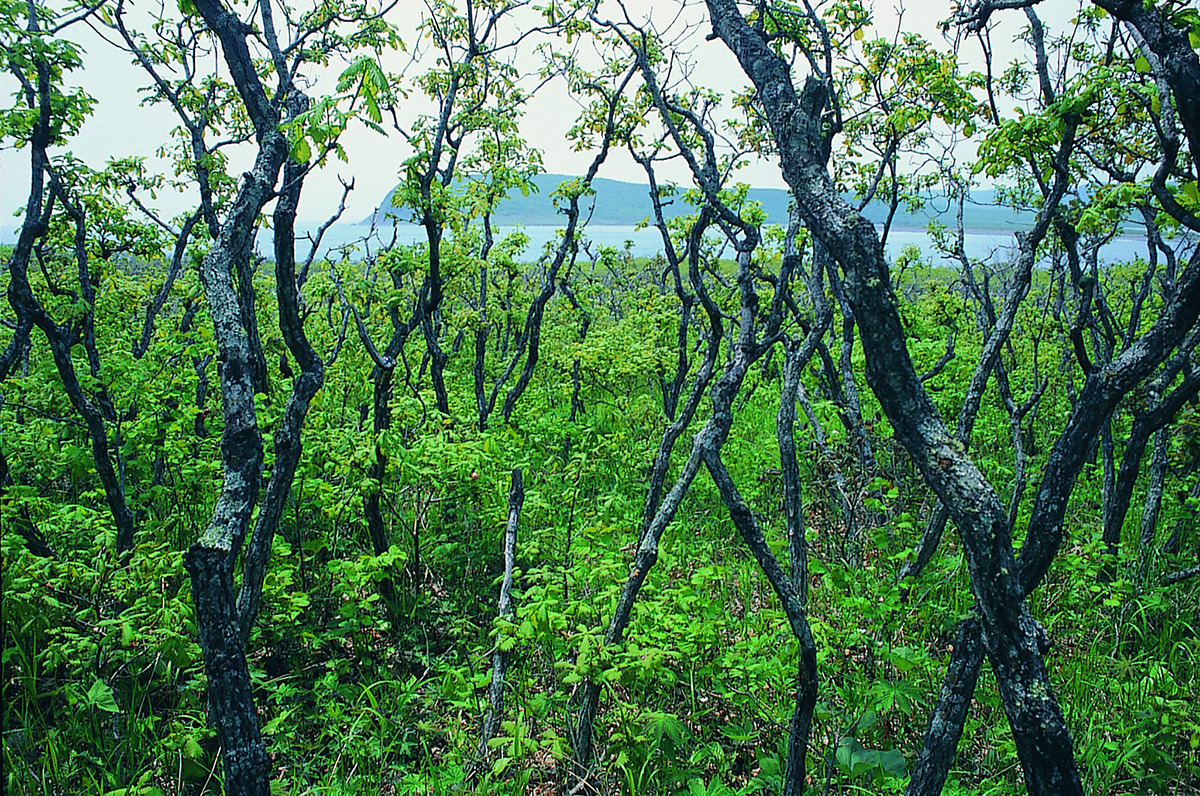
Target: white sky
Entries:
(121, 127)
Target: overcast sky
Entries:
(121, 127)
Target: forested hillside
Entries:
(769, 512)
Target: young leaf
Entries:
(100, 695)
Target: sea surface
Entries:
(992, 245)
(357, 240)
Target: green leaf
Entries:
(192, 749)
(855, 759)
(301, 151)
(1192, 192)
(892, 761)
(100, 695)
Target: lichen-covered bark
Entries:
(794, 597)
(211, 558)
(1170, 43)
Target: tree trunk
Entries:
(1150, 509)
(287, 435)
(230, 695)
(950, 713)
(795, 602)
(211, 559)
(491, 724)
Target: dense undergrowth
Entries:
(103, 684)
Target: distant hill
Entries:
(626, 204)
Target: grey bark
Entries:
(491, 724)
(1153, 503)
(950, 712)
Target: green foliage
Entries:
(362, 691)
(103, 676)
(696, 697)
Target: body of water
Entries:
(995, 245)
